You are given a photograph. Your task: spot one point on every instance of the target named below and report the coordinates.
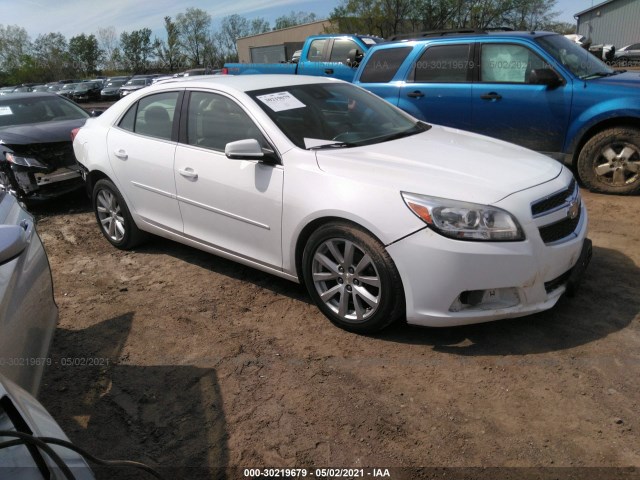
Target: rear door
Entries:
(438, 85)
(141, 152)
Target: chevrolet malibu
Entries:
(381, 216)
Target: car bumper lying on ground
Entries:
(450, 282)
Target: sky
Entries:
(72, 17)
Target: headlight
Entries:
(24, 161)
(464, 221)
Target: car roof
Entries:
(241, 83)
(471, 35)
(29, 95)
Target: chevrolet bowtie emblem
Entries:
(574, 209)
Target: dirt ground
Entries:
(201, 367)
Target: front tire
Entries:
(610, 161)
(352, 279)
(113, 216)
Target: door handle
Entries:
(491, 96)
(121, 154)
(328, 71)
(188, 173)
(415, 94)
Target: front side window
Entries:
(505, 63)
(215, 120)
(443, 64)
(383, 64)
(152, 116)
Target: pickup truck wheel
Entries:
(113, 216)
(610, 161)
(352, 279)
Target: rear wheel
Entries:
(113, 216)
(352, 279)
(610, 161)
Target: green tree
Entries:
(85, 53)
(169, 52)
(137, 49)
(259, 25)
(14, 45)
(233, 27)
(194, 26)
(51, 55)
(293, 19)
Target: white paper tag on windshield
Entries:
(280, 101)
(5, 111)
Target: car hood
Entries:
(444, 162)
(39, 132)
(629, 79)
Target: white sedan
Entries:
(381, 216)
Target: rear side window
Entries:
(152, 116)
(383, 64)
(444, 64)
(316, 50)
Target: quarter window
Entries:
(215, 120)
(383, 64)
(444, 64)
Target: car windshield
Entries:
(137, 81)
(334, 115)
(69, 86)
(23, 111)
(575, 58)
(116, 83)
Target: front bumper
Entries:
(25, 182)
(449, 282)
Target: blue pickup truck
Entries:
(535, 89)
(331, 55)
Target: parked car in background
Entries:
(135, 84)
(535, 89)
(28, 313)
(67, 89)
(15, 89)
(111, 91)
(327, 55)
(36, 156)
(380, 215)
(40, 88)
(86, 91)
(628, 55)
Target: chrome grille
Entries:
(564, 212)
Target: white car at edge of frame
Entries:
(381, 216)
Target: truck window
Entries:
(444, 64)
(341, 49)
(383, 64)
(316, 48)
(507, 63)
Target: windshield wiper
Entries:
(598, 75)
(332, 145)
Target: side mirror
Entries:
(13, 240)
(96, 113)
(545, 76)
(355, 57)
(249, 149)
